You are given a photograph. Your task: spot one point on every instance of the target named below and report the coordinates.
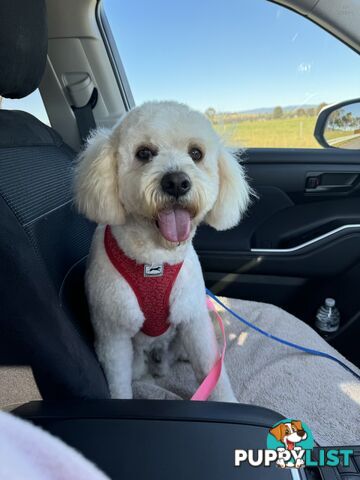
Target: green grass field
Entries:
(297, 132)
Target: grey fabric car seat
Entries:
(43, 241)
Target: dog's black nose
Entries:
(176, 184)
(301, 433)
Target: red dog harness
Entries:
(152, 285)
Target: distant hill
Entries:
(288, 108)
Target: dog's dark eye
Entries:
(145, 154)
(196, 154)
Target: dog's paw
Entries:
(158, 362)
(121, 392)
(223, 396)
(281, 463)
(230, 399)
(182, 356)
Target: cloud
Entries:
(294, 37)
(304, 67)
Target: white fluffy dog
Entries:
(152, 180)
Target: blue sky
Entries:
(32, 104)
(229, 54)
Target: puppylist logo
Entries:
(289, 445)
(290, 439)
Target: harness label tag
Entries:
(153, 270)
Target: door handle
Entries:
(331, 182)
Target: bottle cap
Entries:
(329, 302)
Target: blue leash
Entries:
(280, 340)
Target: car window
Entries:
(258, 70)
(32, 104)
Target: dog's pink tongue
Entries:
(174, 224)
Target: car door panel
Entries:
(293, 244)
(311, 223)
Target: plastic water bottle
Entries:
(328, 317)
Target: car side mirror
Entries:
(338, 125)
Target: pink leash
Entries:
(210, 381)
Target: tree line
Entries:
(343, 120)
(277, 113)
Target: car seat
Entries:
(43, 241)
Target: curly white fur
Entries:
(113, 187)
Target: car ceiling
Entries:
(339, 17)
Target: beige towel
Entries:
(265, 373)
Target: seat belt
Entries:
(84, 96)
(85, 117)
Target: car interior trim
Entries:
(114, 57)
(295, 474)
(308, 243)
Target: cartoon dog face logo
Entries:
(289, 434)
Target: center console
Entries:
(168, 440)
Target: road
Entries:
(353, 144)
(350, 143)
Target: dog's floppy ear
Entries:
(297, 424)
(278, 432)
(234, 193)
(96, 181)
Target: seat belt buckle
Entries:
(83, 98)
(80, 88)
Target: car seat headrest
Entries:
(23, 46)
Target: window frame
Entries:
(114, 56)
